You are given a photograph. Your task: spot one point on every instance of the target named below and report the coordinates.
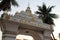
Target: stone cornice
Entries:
(10, 32)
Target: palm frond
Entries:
(53, 15)
(44, 8)
(48, 20)
(5, 5)
(40, 8)
(14, 2)
(50, 8)
(37, 12)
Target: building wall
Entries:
(8, 37)
(12, 28)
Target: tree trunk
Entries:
(51, 27)
(53, 36)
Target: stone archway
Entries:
(32, 33)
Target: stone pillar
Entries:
(8, 37)
(0, 34)
(47, 35)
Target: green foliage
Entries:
(6, 4)
(13, 2)
(47, 15)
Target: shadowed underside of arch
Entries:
(35, 35)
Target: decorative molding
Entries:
(3, 27)
(7, 17)
(8, 36)
(10, 32)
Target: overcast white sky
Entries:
(33, 5)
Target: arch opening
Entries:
(24, 37)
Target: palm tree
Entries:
(6, 4)
(46, 15)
